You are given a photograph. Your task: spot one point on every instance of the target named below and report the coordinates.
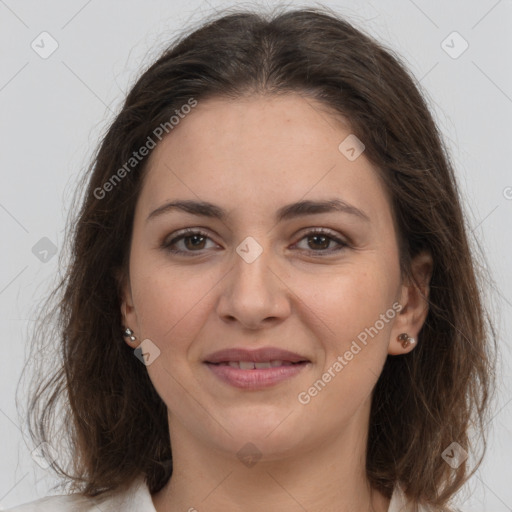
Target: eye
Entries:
(319, 241)
(193, 241)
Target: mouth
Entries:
(243, 357)
(256, 375)
(257, 368)
(253, 365)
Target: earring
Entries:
(405, 339)
(128, 333)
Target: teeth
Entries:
(265, 364)
(251, 365)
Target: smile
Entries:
(250, 375)
(249, 365)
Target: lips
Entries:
(253, 370)
(267, 357)
(251, 365)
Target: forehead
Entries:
(273, 149)
(280, 125)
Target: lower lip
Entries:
(256, 378)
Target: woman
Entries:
(272, 303)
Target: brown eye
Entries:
(320, 241)
(195, 241)
(191, 241)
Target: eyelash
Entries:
(190, 232)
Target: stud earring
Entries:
(405, 339)
(128, 333)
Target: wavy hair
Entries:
(112, 421)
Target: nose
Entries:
(254, 294)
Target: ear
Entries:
(128, 314)
(414, 296)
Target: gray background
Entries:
(53, 111)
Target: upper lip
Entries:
(258, 356)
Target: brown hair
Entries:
(113, 419)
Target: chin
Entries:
(272, 436)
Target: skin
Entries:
(251, 157)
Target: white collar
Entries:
(398, 503)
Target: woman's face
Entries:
(260, 276)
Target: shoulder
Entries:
(400, 503)
(136, 498)
(63, 503)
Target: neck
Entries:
(329, 476)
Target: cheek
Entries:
(172, 307)
(350, 300)
(341, 311)
(334, 305)
(352, 338)
(169, 303)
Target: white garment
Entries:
(138, 499)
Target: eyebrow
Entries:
(290, 211)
